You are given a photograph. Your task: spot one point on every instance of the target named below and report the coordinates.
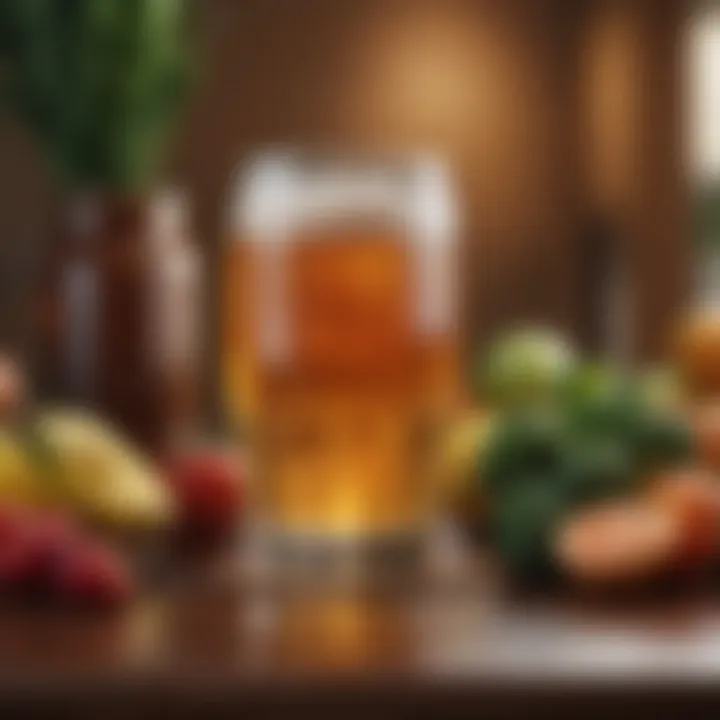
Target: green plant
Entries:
(99, 83)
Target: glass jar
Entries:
(339, 349)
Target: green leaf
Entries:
(99, 82)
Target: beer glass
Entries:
(339, 345)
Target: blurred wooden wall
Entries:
(632, 108)
(503, 88)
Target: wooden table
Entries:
(207, 638)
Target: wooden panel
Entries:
(632, 106)
(493, 86)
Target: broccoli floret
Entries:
(595, 469)
(529, 442)
(603, 403)
(662, 440)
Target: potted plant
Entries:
(100, 85)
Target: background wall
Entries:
(633, 103)
(548, 111)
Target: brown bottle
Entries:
(120, 330)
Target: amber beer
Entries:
(339, 348)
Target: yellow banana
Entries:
(21, 479)
(100, 475)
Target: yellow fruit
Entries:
(458, 467)
(101, 476)
(21, 479)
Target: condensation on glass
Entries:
(339, 347)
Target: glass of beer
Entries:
(339, 343)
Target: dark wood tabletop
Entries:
(212, 634)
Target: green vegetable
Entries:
(526, 367)
(605, 404)
(579, 435)
(662, 440)
(527, 443)
(600, 401)
(595, 469)
(523, 529)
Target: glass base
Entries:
(291, 555)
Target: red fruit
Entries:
(45, 552)
(30, 546)
(10, 519)
(692, 498)
(209, 489)
(55, 529)
(20, 566)
(92, 575)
